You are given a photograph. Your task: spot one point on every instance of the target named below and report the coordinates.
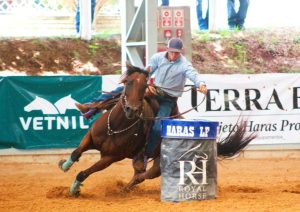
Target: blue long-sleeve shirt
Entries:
(171, 76)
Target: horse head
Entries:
(135, 82)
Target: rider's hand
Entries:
(150, 91)
(202, 89)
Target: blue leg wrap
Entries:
(75, 188)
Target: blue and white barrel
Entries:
(188, 160)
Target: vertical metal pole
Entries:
(127, 14)
(151, 29)
(139, 32)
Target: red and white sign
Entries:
(166, 20)
(167, 33)
(178, 18)
(179, 33)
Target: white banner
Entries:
(270, 103)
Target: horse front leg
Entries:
(103, 163)
(139, 177)
(85, 145)
(139, 164)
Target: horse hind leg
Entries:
(85, 145)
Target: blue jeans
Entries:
(237, 19)
(165, 108)
(77, 16)
(106, 96)
(164, 2)
(202, 22)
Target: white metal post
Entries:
(151, 29)
(139, 32)
(212, 19)
(85, 19)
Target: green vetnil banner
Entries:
(40, 112)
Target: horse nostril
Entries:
(127, 108)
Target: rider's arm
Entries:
(192, 74)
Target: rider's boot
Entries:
(85, 107)
(91, 112)
(87, 110)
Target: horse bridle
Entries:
(110, 131)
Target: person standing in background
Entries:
(77, 16)
(164, 2)
(202, 22)
(236, 20)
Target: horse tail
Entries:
(235, 142)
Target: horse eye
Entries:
(130, 82)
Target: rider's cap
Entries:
(175, 45)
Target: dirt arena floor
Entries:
(243, 185)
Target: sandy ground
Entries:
(243, 184)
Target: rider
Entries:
(171, 69)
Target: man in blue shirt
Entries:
(171, 70)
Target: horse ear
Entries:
(128, 65)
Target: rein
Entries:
(174, 116)
(155, 86)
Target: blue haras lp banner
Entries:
(193, 129)
(40, 112)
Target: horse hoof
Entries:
(74, 193)
(60, 165)
(126, 189)
(137, 179)
(75, 189)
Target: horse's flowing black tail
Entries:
(235, 142)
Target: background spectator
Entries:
(164, 2)
(77, 16)
(202, 22)
(236, 20)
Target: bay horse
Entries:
(121, 133)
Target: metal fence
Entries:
(37, 7)
(43, 18)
